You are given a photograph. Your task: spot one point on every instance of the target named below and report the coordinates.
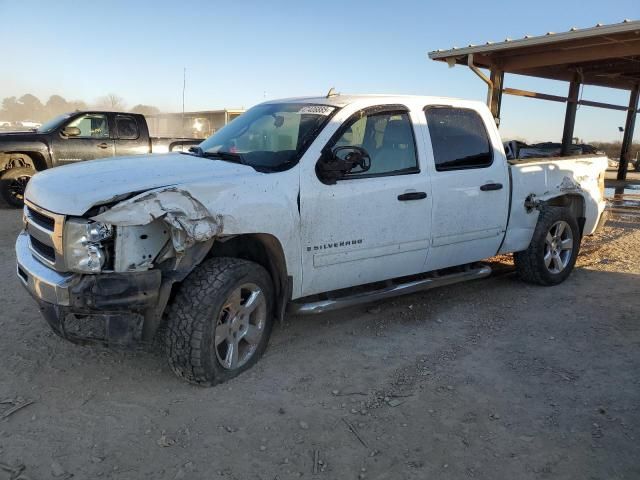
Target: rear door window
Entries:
(127, 127)
(459, 138)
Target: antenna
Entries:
(184, 87)
(332, 92)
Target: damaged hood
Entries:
(74, 189)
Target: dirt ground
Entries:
(487, 380)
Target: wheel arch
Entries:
(34, 158)
(574, 202)
(265, 250)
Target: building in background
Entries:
(191, 124)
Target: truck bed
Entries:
(173, 144)
(536, 180)
(522, 161)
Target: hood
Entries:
(74, 189)
(29, 134)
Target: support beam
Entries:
(570, 116)
(539, 96)
(557, 98)
(625, 151)
(589, 103)
(495, 99)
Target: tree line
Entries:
(612, 149)
(28, 107)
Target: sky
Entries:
(239, 53)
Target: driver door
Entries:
(94, 140)
(370, 225)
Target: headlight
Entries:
(82, 249)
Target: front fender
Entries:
(196, 213)
(37, 150)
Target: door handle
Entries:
(412, 196)
(487, 187)
(102, 145)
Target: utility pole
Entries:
(184, 87)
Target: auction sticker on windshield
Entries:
(316, 109)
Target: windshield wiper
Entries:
(227, 156)
(197, 151)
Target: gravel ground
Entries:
(487, 380)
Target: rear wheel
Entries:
(220, 321)
(553, 250)
(13, 183)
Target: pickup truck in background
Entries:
(304, 205)
(74, 137)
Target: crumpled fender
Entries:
(567, 186)
(190, 221)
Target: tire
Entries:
(13, 183)
(209, 320)
(550, 260)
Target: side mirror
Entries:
(340, 161)
(71, 131)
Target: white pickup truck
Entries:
(305, 205)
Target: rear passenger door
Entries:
(130, 139)
(470, 186)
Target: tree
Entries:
(9, 109)
(77, 105)
(111, 101)
(30, 107)
(145, 109)
(56, 105)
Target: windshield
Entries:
(53, 123)
(268, 137)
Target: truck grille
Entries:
(46, 251)
(41, 219)
(45, 235)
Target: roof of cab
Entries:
(340, 100)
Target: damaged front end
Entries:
(109, 277)
(189, 221)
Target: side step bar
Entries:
(394, 290)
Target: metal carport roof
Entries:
(604, 55)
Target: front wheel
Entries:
(553, 250)
(13, 183)
(220, 321)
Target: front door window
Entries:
(91, 125)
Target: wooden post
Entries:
(497, 79)
(570, 116)
(627, 139)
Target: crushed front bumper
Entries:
(108, 308)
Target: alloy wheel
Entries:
(558, 247)
(17, 187)
(240, 326)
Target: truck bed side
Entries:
(536, 181)
(170, 144)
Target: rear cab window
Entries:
(459, 138)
